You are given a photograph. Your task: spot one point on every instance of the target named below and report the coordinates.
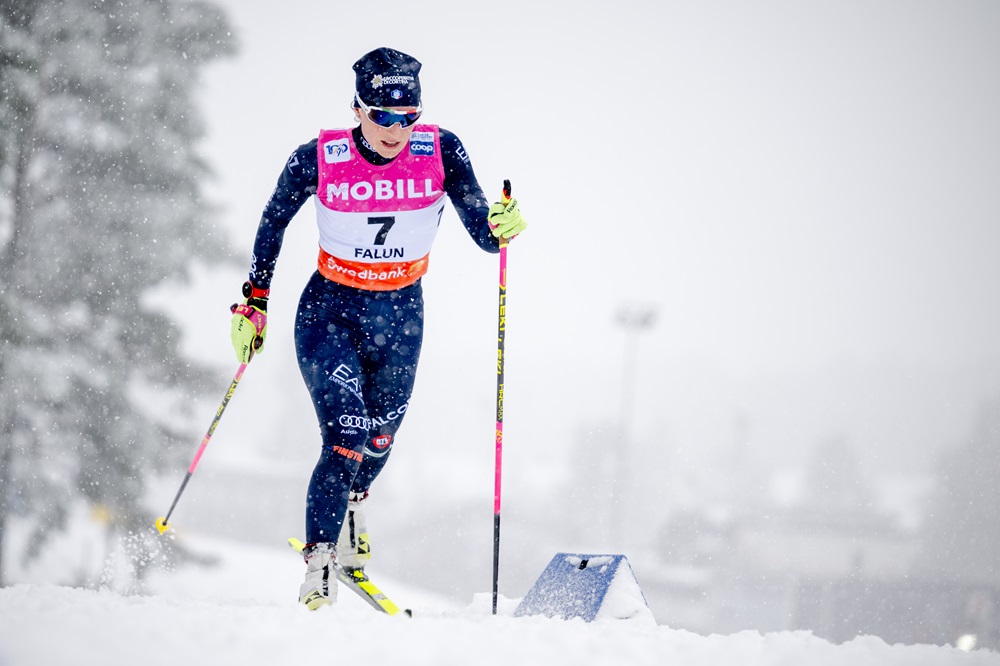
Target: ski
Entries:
(359, 583)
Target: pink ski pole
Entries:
(501, 329)
(163, 523)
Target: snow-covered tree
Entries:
(960, 539)
(99, 202)
(835, 480)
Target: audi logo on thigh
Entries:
(352, 421)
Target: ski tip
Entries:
(296, 545)
(408, 611)
(506, 189)
(161, 525)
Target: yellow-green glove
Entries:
(249, 325)
(505, 220)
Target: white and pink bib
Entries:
(377, 223)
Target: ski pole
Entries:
(501, 329)
(163, 523)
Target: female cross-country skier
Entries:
(380, 192)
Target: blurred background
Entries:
(752, 326)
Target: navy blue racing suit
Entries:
(357, 349)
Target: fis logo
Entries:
(422, 143)
(336, 151)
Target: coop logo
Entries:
(335, 151)
(422, 143)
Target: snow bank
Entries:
(243, 611)
(56, 625)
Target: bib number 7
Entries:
(386, 222)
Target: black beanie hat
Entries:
(386, 77)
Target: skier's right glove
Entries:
(505, 219)
(249, 323)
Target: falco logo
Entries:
(382, 441)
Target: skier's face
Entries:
(387, 141)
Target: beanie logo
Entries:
(378, 80)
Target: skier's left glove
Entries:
(505, 220)
(249, 325)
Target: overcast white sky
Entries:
(806, 192)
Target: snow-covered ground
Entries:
(243, 611)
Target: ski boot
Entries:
(353, 547)
(320, 586)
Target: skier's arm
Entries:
(466, 195)
(297, 182)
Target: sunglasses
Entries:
(387, 118)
